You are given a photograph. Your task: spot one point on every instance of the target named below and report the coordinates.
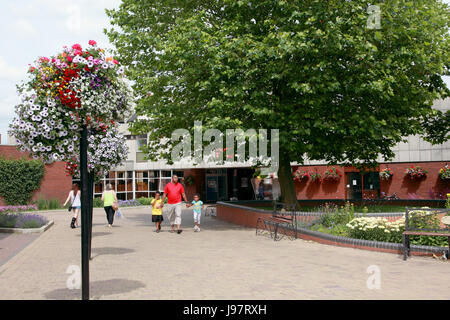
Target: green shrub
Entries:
(19, 178)
(98, 203)
(42, 204)
(424, 220)
(337, 216)
(145, 201)
(54, 204)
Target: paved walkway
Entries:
(223, 261)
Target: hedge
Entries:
(19, 178)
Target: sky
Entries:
(36, 28)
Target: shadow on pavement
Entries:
(97, 289)
(97, 234)
(110, 250)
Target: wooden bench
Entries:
(411, 230)
(279, 218)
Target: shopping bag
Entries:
(118, 214)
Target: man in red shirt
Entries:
(174, 191)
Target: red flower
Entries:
(115, 61)
(69, 59)
(92, 43)
(76, 46)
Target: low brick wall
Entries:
(248, 216)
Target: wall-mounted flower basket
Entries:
(415, 172)
(315, 176)
(300, 175)
(444, 173)
(386, 174)
(332, 175)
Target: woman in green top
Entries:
(108, 197)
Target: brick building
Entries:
(138, 177)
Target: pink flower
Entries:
(76, 46)
(115, 61)
(92, 43)
(69, 59)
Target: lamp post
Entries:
(84, 215)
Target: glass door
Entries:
(212, 188)
(354, 186)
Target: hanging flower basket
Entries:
(444, 173)
(300, 175)
(332, 174)
(107, 149)
(315, 176)
(76, 87)
(386, 174)
(416, 172)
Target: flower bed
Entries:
(379, 228)
(21, 220)
(15, 209)
(129, 203)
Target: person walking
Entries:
(174, 191)
(198, 207)
(157, 217)
(75, 200)
(108, 198)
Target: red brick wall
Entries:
(307, 189)
(55, 184)
(430, 187)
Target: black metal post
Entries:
(91, 208)
(84, 215)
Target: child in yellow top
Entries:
(157, 216)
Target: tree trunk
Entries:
(288, 194)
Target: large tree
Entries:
(336, 88)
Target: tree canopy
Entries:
(336, 89)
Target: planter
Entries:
(315, 177)
(332, 175)
(300, 175)
(27, 230)
(416, 173)
(386, 174)
(444, 173)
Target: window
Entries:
(141, 142)
(371, 181)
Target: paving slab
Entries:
(223, 261)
